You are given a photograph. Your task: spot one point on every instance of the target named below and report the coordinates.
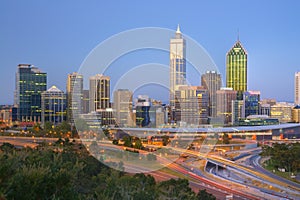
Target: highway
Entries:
(248, 170)
(254, 162)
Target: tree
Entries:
(225, 138)
(48, 126)
(203, 195)
(127, 141)
(175, 189)
(138, 144)
(165, 140)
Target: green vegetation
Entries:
(65, 170)
(283, 156)
(226, 139)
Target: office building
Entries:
(212, 82)
(225, 96)
(297, 88)
(282, 111)
(123, 107)
(296, 114)
(236, 69)
(264, 109)
(99, 92)
(74, 96)
(238, 111)
(86, 102)
(157, 116)
(251, 102)
(54, 105)
(30, 83)
(191, 105)
(142, 107)
(177, 66)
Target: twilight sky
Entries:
(56, 36)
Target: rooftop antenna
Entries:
(238, 35)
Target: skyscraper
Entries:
(211, 81)
(177, 65)
(225, 96)
(30, 83)
(53, 106)
(192, 105)
(238, 111)
(74, 96)
(142, 107)
(86, 102)
(236, 69)
(99, 92)
(123, 107)
(297, 88)
(251, 102)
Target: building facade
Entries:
(123, 108)
(142, 108)
(85, 102)
(212, 82)
(99, 93)
(238, 111)
(251, 102)
(157, 116)
(30, 83)
(282, 111)
(297, 88)
(192, 105)
(236, 69)
(54, 106)
(74, 96)
(225, 96)
(177, 65)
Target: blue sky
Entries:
(57, 35)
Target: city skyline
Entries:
(39, 45)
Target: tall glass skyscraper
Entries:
(236, 69)
(30, 83)
(177, 65)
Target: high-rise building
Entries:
(236, 69)
(142, 107)
(251, 102)
(54, 104)
(191, 105)
(123, 107)
(157, 115)
(99, 92)
(211, 81)
(296, 114)
(297, 88)
(74, 96)
(238, 111)
(30, 83)
(85, 102)
(177, 65)
(225, 96)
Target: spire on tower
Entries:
(238, 35)
(178, 29)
